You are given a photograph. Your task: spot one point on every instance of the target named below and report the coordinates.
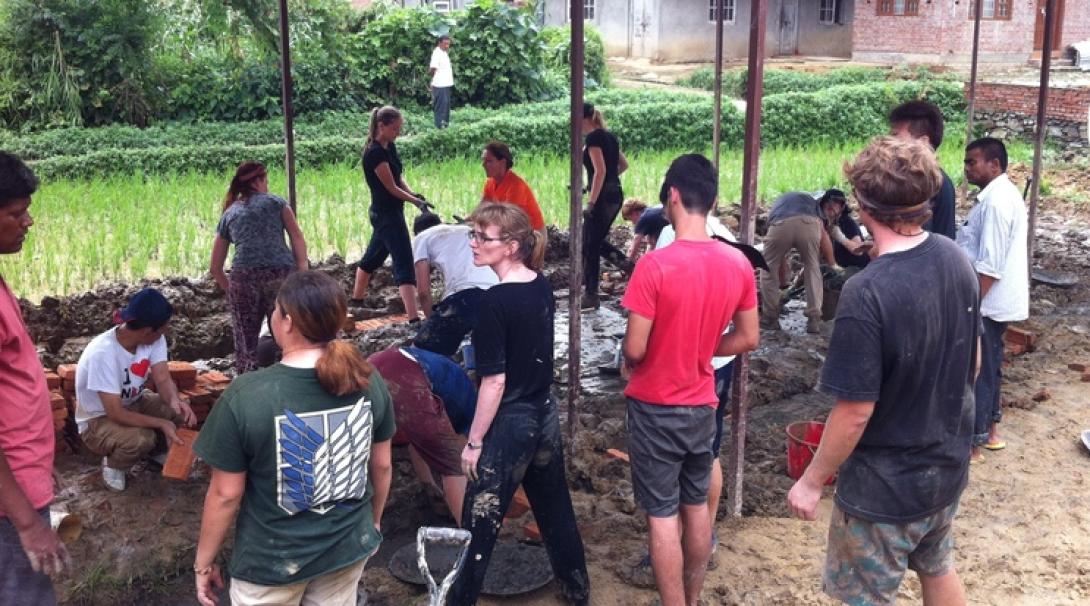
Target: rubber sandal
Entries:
(1000, 445)
(977, 459)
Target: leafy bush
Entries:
(777, 81)
(558, 53)
(702, 78)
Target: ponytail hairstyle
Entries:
(514, 224)
(594, 115)
(317, 307)
(385, 115)
(242, 184)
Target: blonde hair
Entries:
(385, 115)
(514, 224)
(632, 205)
(894, 180)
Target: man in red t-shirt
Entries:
(680, 300)
(29, 549)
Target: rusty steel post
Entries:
(972, 73)
(750, 164)
(1042, 129)
(717, 125)
(286, 95)
(575, 250)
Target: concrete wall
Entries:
(1010, 110)
(942, 33)
(826, 40)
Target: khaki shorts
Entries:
(866, 561)
(337, 588)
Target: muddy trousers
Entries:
(596, 226)
(125, 446)
(251, 296)
(804, 235)
(522, 447)
(19, 583)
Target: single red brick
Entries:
(67, 371)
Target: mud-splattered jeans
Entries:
(522, 447)
(251, 297)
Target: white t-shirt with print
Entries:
(444, 74)
(105, 366)
(447, 246)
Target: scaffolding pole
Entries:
(717, 125)
(972, 74)
(575, 239)
(286, 98)
(1042, 128)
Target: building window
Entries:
(829, 12)
(900, 8)
(728, 10)
(443, 6)
(588, 10)
(991, 9)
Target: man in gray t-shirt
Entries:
(795, 222)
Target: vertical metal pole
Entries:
(750, 164)
(977, 4)
(717, 126)
(286, 94)
(1042, 126)
(575, 239)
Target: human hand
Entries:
(44, 548)
(862, 248)
(803, 498)
(207, 584)
(170, 432)
(179, 406)
(470, 457)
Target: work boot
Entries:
(813, 326)
(114, 478)
(770, 323)
(589, 302)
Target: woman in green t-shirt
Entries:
(300, 455)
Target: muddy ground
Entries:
(1023, 531)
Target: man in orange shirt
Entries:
(504, 186)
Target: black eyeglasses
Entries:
(480, 236)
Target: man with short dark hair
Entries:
(455, 316)
(680, 300)
(117, 418)
(995, 238)
(442, 81)
(29, 549)
(900, 365)
(922, 121)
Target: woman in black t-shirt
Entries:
(389, 233)
(515, 435)
(604, 162)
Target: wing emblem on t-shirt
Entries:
(322, 457)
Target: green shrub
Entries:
(777, 81)
(702, 78)
(557, 41)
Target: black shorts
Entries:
(390, 237)
(671, 452)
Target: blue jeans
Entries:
(723, 377)
(450, 321)
(523, 446)
(442, 106)
(19, 584)
(987, 385)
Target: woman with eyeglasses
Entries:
(254, 221)
(515, 435)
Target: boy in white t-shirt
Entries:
(455, 316)
(117, 418)
(442, 80)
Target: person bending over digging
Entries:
(681, 299)
(455, 316)
(434, 401)
(900, 365)
(647, 224)
(504, 186)
(118, 419)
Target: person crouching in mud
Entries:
(515, 435)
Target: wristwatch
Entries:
(472, 446)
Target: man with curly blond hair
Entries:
(900, 365)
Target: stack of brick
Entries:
(59, 402)
(201, 391)
(1018, 341)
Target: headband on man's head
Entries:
(895, 212)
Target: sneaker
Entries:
(114, 478)
(813, 326)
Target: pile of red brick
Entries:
(1018, 341)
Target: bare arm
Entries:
(843, 429)
(599, 162)
(397, 190)
(635, 338)
(219, 257)
(827, 249)
(44, 550)
(986, 284)
(488, 402)
(160, 373)
(745, 336)
(221, 504)
(622, 163)
(638, 243)
(295, 236)
(423, 285)
(382, 471)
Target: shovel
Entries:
(448, 536)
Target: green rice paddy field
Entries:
(132, 227)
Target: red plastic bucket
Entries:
(803, 439)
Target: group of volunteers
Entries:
(300, 444)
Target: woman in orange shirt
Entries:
(504, 186)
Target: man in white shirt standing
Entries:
(442, 81)
(455, 316)
(995, 238)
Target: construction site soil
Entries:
(1022, 532)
